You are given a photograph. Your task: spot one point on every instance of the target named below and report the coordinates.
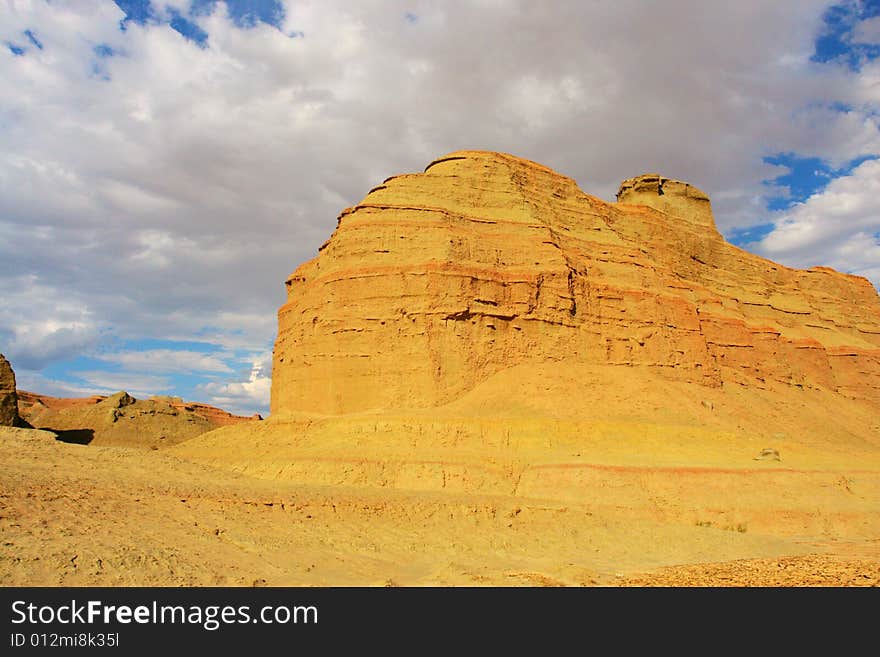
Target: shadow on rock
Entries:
(75, 436)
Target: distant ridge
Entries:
(122, 420)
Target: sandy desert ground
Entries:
(660, 512)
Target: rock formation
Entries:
(437, 281)
(487, 327)
(122, 420)
(8, 397)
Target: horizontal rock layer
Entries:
(437, 281)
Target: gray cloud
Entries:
(868, 31)
(166, 191)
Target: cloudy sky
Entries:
(165, 164)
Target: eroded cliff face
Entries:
(437, 281)
(8, 397)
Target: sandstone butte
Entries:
(487, 326)
(435, 282)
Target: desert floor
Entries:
(87, 515)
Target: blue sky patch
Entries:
(139, 11)
(62, 369)
(188, 29)
(836, 41)
(18, 51)
(745, 236)
(806, 176)
(246, 13)
(33, 39)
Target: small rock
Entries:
(768, 454)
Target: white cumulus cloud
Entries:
(247, 395)
(838, 227)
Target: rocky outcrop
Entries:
(122, 420)
(672, 197)
(438, 281)
(8, 397)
